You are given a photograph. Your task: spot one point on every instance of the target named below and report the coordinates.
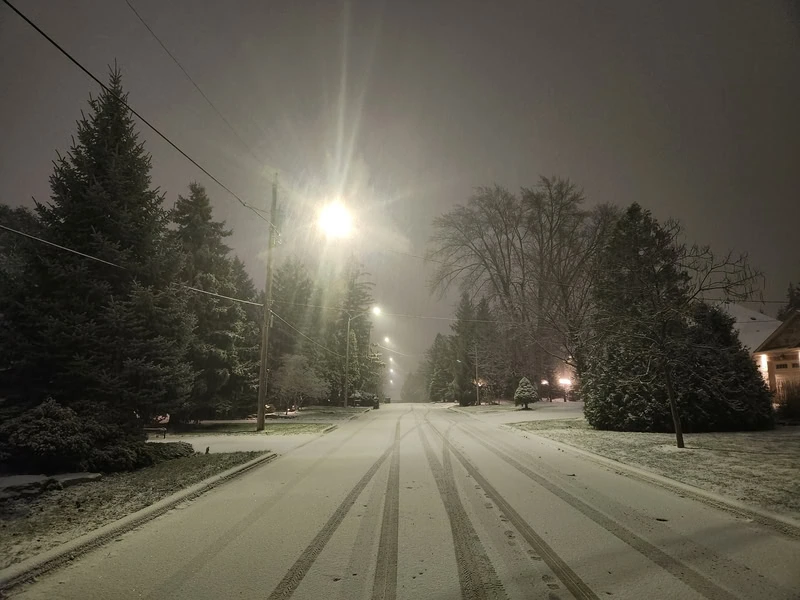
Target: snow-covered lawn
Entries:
(761, 468)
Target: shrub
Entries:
(52, 438)
(48, 438)
(161, 451)
(717, 383)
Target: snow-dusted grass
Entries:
(761, 468)
(270, 428)
(31, 525)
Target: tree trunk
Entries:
(673, 405)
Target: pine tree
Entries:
(242, 387)
(525, 394)
(219, 322)
(62, 329)
(464, 348)
(438, 368)
(792, 302)
(657, 348)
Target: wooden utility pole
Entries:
(477, 385)
(262, 375)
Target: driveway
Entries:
(420, 502)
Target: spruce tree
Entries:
(219, 322)
(662, 360)
(95, 337)
(525, 393)
(792, 302)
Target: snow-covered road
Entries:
(418, 501)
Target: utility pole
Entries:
(347, 361)
(262, 375)
(477, 385)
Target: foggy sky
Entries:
(402, 107)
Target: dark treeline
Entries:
(613, 303)
(91, 351)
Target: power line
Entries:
(194, 289)
(313, 341)
(33, 237)
(399, 353)
(116, 266)
(193, 82)
(137, 114)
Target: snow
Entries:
(753, 327)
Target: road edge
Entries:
(782, 523)
(45, 562)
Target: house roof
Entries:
(754, 327)
(786, 335)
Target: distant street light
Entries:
(391, 382)
(545, 382)
(386, 339)
(391, 370)
(391, 359)
(376, 310)
(565, 382)
(335, 220)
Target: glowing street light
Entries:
(565, 382)
(391, 359)
(376, 310)
(391, 381)
(545, 382)
(386, 339)
(391, 370)
(335, 220)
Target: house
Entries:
(761, 335)
(778, 356)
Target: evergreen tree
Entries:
(652, 354)
(464, 345)
(14, 247)
(242, 387)
(291, 292)
(494, 360)
(62, 334)
(219, 322)
(413, 389)
(438, 369)
(792, 302)
(525, 394)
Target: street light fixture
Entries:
(386, 339)
(375, 310)
(335, 220)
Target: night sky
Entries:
(402, 107)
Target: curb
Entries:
(47, 561)
(328, 429)
(786, 525)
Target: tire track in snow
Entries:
(476, 574)
(579, 589)
(294, 576)
(681, 571)
(200, 560)
(385, 584)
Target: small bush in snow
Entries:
(525, 393)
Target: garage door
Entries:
(787, 373)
